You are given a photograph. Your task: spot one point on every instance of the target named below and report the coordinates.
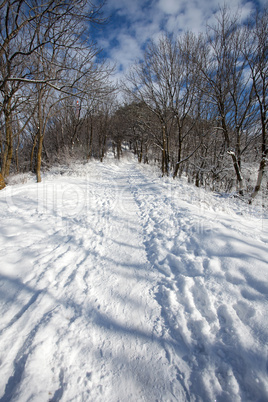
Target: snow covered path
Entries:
(116, 286)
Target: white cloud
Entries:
(150, 30)
(127, 51)
(134, 27)
(193, 15)
(134, 22)
(170, 6)
(187, 21)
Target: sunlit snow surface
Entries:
(119, 285)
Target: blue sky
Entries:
(133, 22)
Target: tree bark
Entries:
(39, 157)
(259, 179)
(90, 146)
(32, 151)
(2, 182)
(238, 173)
(165, 152)
(179, 149)
(8, 153)
(40, 136)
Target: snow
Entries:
(119, 285)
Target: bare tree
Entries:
(184, 92)
(166, 82)
(53, 37)
(257, 56)
(22, 21)
(228, 86)
(147, 85)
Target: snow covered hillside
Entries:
(117, 285)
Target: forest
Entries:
(196, 105)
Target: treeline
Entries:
(48, 68)
(196, 104)
(201, 103)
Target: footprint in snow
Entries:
(244, 311)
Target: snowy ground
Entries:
(117, 285)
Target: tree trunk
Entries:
(39, 157)
(118, 149)
(223, 124)
(238, 173)
(179, 154)
(102, 144)
(8, 153)
(90, 146)
(2, 182)
(17, 155)
(238, 146)
(259, 180)
(40, 136)
(32, 151)
(165, 154)
(140, 153)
